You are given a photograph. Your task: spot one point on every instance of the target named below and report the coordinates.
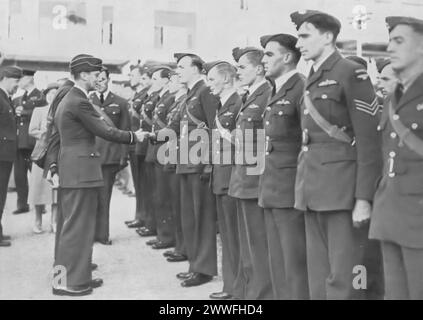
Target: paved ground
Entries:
(130, 268)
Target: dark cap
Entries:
(299, 17)
(381, 63)
(210, 65)
(238, 52)
(179, 56)
(393, 21)
(358, 60)
(85, 63)
(10, 72)
(154, 69)
(51, 86)
(286, 40)
(27, 72)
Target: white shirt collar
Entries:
(162, 92)
(30, 91)
(193, 84)
(82, 89)
(105, 94)
(317, 65)
(226, 97)
(254, 87)
(7, 93)
(279, 82)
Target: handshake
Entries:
(141, 135)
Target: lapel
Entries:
(6, 98)
(228, 104)
(194, 89)
(95, 99)
(109, 99)
(327, 65)
(163, 98)
(255, 95)
(285, 88)
(412, 93)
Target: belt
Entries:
(275, 145)
(308, 139)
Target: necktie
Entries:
(273, 90)
(311, 72)
(102, 98)
(399, 91)
(245, 96)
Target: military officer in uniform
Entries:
(253, 279)
(285, 226)
(397, 211)
(140, 80)
(221, 77)
(80, 177)
(386, 79)
(24, 107)
(113, 156)
(340, 159)
(9, 78)
(197, 201)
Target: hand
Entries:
(205, 177)
(361, 213)
(19, 110)
(53, 179)
(140, 134)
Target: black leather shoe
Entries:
(169, 253)
(94, 266)
(197, 279)
(21, 210)
(5, 243)
(105, 242)
(162, 245)
(73, 293)
(136, 224)
(96, 283)
(130, 221)
(220, 296)
(151, 242)
(184, 275)
(146, 233)
(177, 258)
(5, 237)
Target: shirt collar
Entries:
(193, 84)
(254, 87)
(82, 89)
(162, 92)
(279, 82)
(226, 97)
(105, 94)
(317, 65)
(406, 83)
(7, 94)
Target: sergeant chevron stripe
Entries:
(371, 108)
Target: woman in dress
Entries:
(40, 190)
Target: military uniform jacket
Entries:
(136, 102)
(331, 174)
(78, 124)
(146, 120)
(242, 185)
(201, 104)
(159, 122)
(223, 150)
(282, 124)
(28, 101)
(8, 138)
(398, 206)
(116, 108)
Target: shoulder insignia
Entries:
(370, 108)
(419, 107)
(327, 83)
(253, 106)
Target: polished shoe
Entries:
(220, 296)
(131, 194)
(21, 210)
(197, 279)
(37, 230)
(96, 283)
(151, 242)
(184, 275)
(73, 293)
(5, 243)
(130, 221)
(94, 266)
(177, 258)
(169, 253)
(105, 242)
(135, 224)
(162, 245)
(5, 237)
(146, 233)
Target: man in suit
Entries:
(339, 162)
(197, 201)
(113, 156)
(221, 77)
(253, 267)
(80, 177)
(24, 106)
(9, 78)
(397, 211)
(140, 80)
(285, 227)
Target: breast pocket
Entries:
(328, 100)
(89, 167)
(250, 119)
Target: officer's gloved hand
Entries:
(361, 213)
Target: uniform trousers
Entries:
(102, 230)
(403, 269)
(5, 170)
(175, 187)
(21, 167)
(78, 208)
(133, 163)
(286, 240)
(163, 205)
(254, 260)
(199, 224)
(146, 188)
(228, 229)
(334, 249)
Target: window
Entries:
(107, 26)
(14, 20)
(244, 5)
(174, 30)
(158, 37)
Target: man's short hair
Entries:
(227, 70)
(325, 23)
